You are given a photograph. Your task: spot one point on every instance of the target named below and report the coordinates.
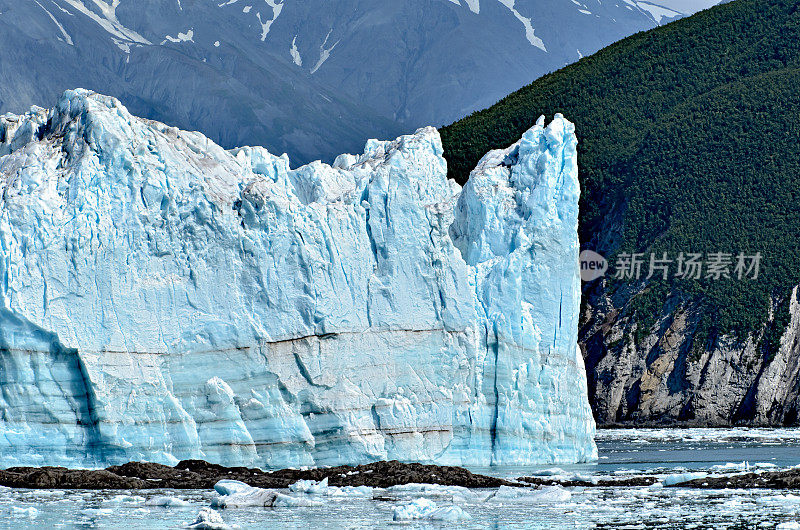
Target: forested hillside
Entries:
(689, 142)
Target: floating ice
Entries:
(288, 501)
(431, 489)
(125, 499)
(743, 467)
(748, 435)
(310, 487)
(423, 508)
(29, 512)
(677, 478)
(209, 519)
(235, 494)
(163, 299)
(351, 491)
(231, 487)
(549, 472)
(167, 502)
(416, 509)
(544, 494)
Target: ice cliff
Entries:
(163, 298)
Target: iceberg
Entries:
(310, 487)
(235, 494)
(209, 519)
(162, 298)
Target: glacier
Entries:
(165, 299)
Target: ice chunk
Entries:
(549, 472)
(231, 487)
(449, 513)
(743, 466)
(29, 512)
(311, 487)
(209, 519)
(353, 491)
(235, 494)
(126, 498)
(416, 509)
(791, 525)
(427, 509)
(544, 494)
(677, 478)
(288, 501)
(437, 490)
(167, 502)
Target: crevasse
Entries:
(163, 298)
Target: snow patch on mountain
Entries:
(474, 5)
(266, 23)
(657, 11)
(295, 53)
(324, 53)
(188, 36)
(65, 37)
(107, 19)
(526, 21)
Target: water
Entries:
(657, 453)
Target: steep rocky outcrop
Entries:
(672, 373)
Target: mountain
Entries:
(165, 299)
(312, 78)
(238, 93)
(689, 144)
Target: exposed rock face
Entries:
(164, 299)
(664, 377)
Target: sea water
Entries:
(659, 453)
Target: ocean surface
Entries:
(665, 453)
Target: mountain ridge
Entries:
(230, 69)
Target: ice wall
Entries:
(163, 299)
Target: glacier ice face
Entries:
(163, 298)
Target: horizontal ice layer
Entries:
(163, 299)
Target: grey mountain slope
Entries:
(313, 78)
(230, 96)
